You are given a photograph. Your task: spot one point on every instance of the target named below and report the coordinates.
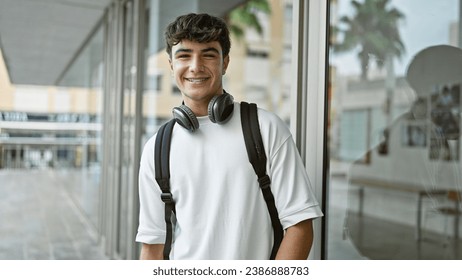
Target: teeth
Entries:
(196, 80)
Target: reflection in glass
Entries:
(394, 134)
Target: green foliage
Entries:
(373, 29)
(245, 17)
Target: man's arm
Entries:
(152, 252)
(297, 241)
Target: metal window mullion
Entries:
(112, 132)
(124, 135)
(105, 180)
(110, 248)
(107, 144)
(118, 80)
(310, 28)
(297, 118)
(133, 203)
(316, 141)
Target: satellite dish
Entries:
(433, 67)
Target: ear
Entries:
(225, 64)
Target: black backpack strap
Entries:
(162, 166)
(257, 157)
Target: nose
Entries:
(196, 64)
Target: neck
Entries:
(199, 107)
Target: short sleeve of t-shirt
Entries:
(291, 187)
(151, 228)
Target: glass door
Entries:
(394, 130)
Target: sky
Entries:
(426, 24)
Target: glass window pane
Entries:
(260, 67)
(259, 70)
(50, 159)
(394, 129)
(83, 81)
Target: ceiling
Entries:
(39, 38)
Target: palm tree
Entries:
(245, 17)
(373, 29)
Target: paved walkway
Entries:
(39, 220)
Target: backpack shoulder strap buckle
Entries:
(167, 198)
(264, 182)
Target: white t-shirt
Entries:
(220, 210)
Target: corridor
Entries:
(40, 220)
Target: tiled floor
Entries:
(372, 238)
(382, 240)
(50, 215)
(39, 220)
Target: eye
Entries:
(210, 55)
(182, 56)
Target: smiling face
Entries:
(198, 69)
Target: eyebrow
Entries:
(211, 49)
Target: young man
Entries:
(220, 209)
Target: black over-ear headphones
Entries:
(220, 109)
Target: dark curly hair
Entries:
(201, 28)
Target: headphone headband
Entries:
(219, 110)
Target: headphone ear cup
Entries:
(185, 117)
(221, 107)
